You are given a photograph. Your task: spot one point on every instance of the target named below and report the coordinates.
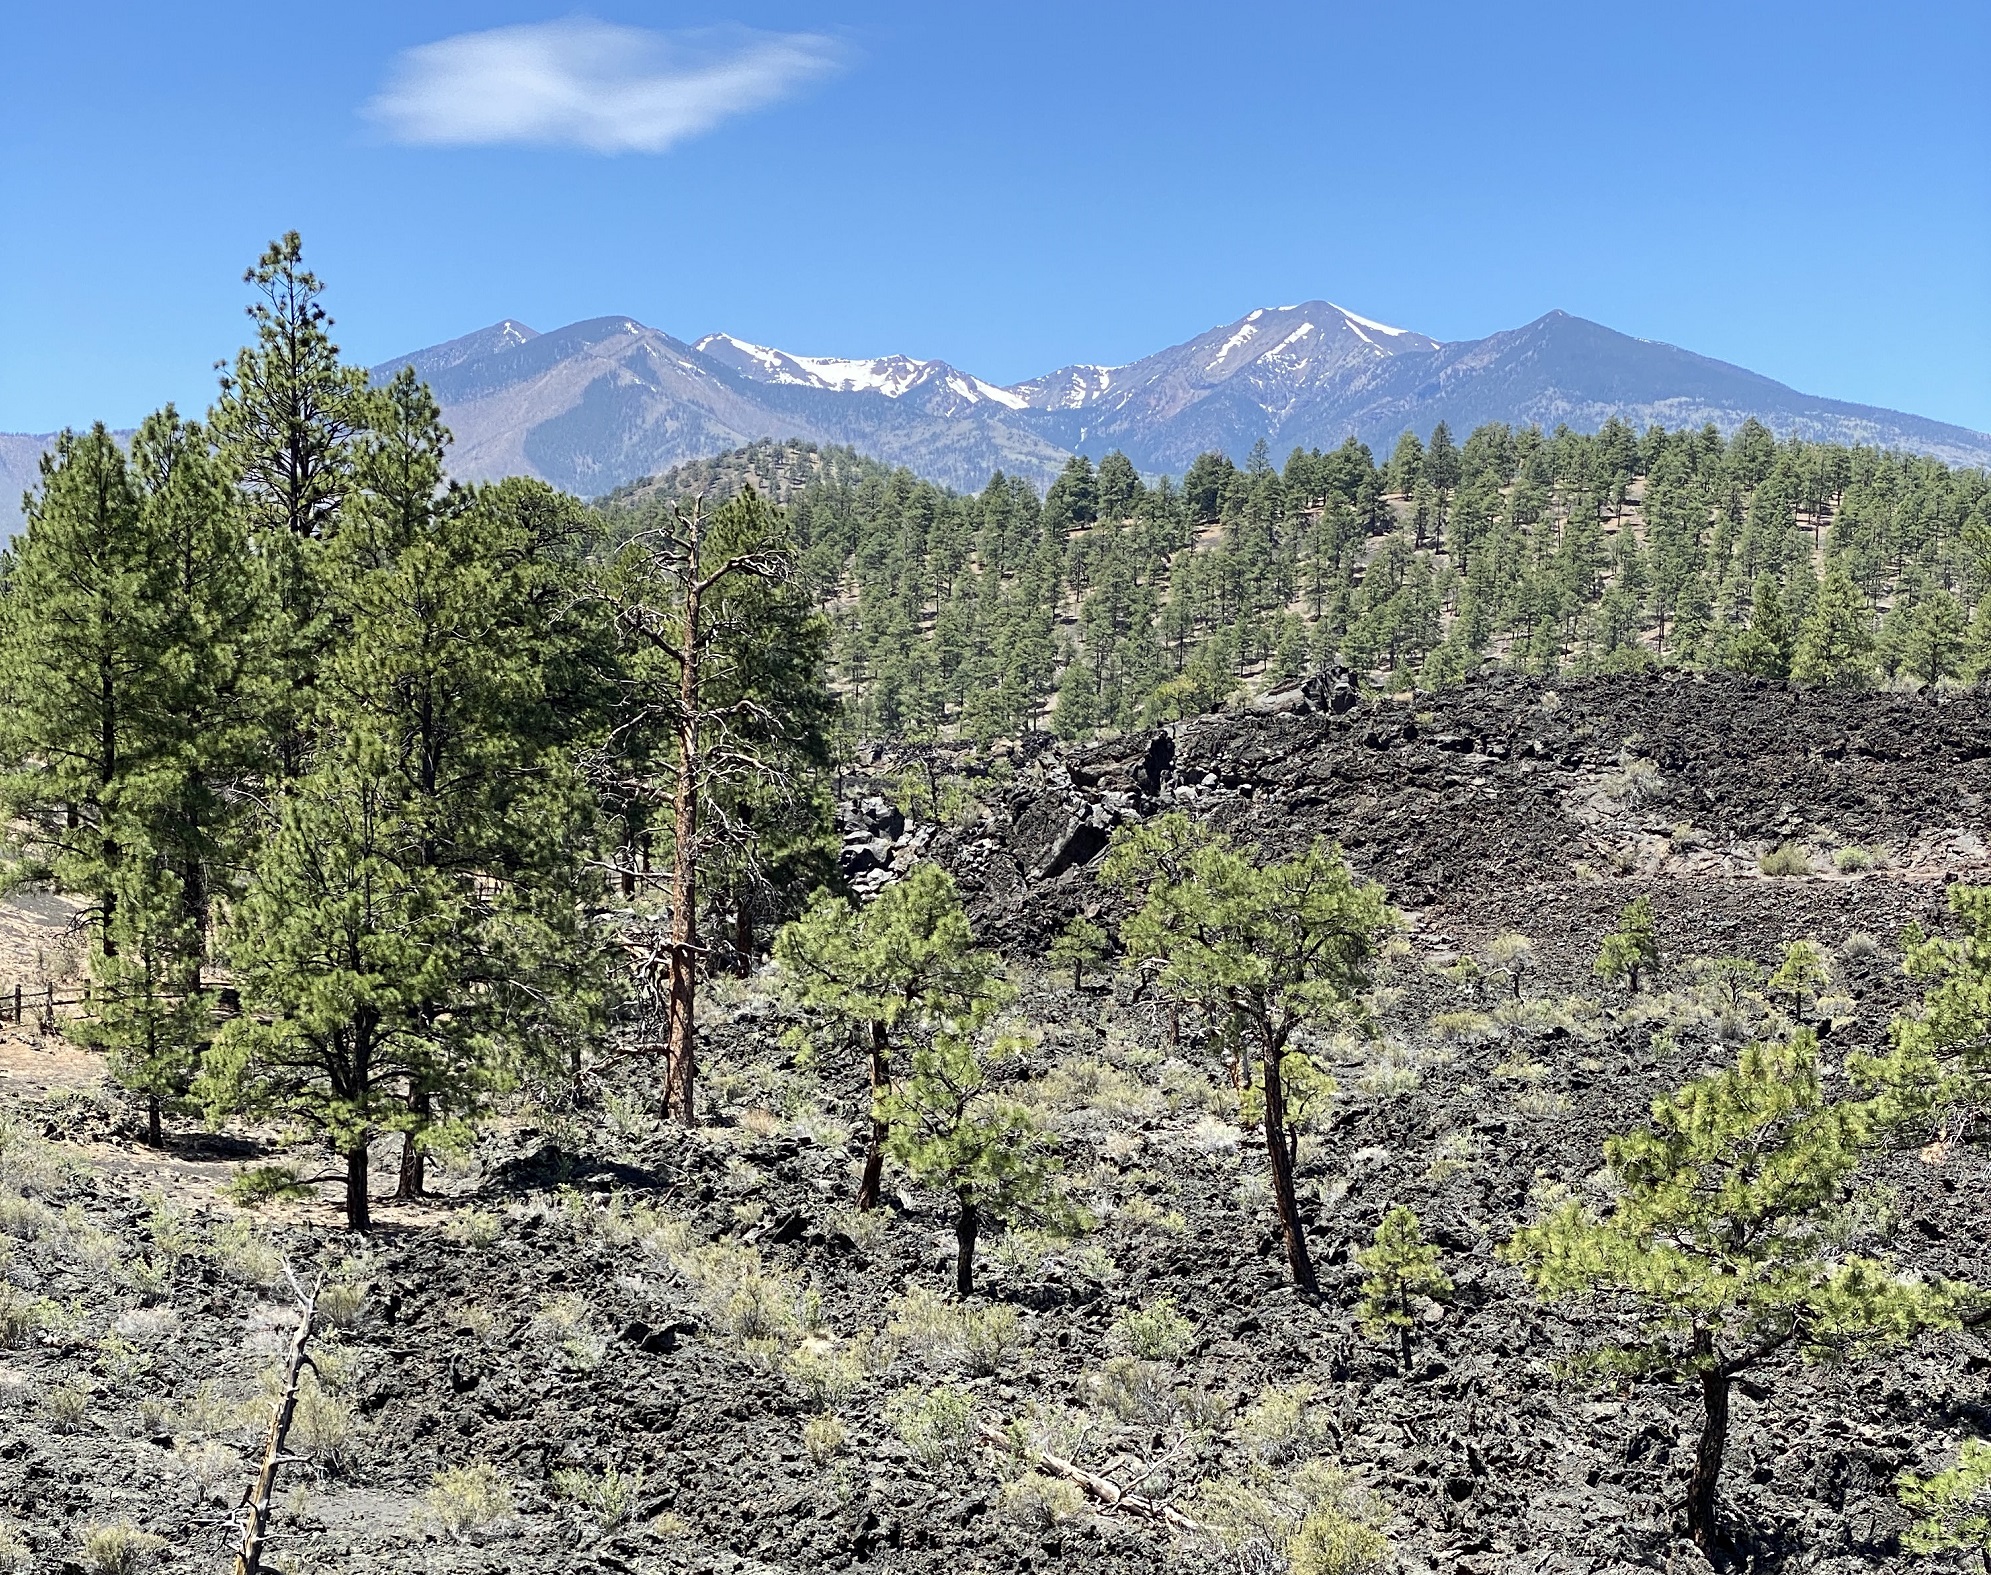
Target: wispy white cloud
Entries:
(589, 84)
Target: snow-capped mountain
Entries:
(598, 403)
(894, 376)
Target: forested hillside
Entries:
(1111, 603)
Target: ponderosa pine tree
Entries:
(121, 644)
(286, 427)
(899, 971)
(408, 939)
(718, 669)
(1261, 949)
(1720, 1249)
(1835, 643)
(80, 649)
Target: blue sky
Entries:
(1803, 189)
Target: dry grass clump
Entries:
(468, 1502)
(1309, 1520)
(978, 1339)
(1787, 858)
(567, 1324)
(822, 1439)
(1860, 945)
(1853, 859)
(119, 1548)
(16, 1557)
(1089, 1086)
(246, 1254)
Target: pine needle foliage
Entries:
(1720, 1251)
(1403, 1276)
(895, 973)
(1261, 948)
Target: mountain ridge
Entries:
(602, 402)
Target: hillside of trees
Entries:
(1112, 603)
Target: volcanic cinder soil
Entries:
(683, 1351)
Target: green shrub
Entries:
(1042, 1502)
(1154, 1333)
(1786, 858)
(467, 1500)
(471, 1228)
(609, 1497)
(118, 1549)
(937, 1424)
(1309, 1521)
(826, 1375)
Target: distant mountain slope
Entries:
(598, 404)
(20, 468)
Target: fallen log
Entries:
(1099, 1488)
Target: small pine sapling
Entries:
(1632, 949)
(953, 1130)
(1403, 1274)
(1261, 949)
(1720, 1250)
(1935, 1075)
(903, 968)
(1079, 946)
(1799, 975)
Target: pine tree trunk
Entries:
(358, 1216)
(967, 1226)
(683, 1071)
(414, 1163)
(153, 1136)
(1701, 1522)
(874, 1154)
(1297, 1259)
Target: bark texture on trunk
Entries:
(1298, 1261)
(359, 1216)
(967, 1226)
(1702, 1524)
(256, 1508)
(683, 1070)
(414, 1163)
(874, 1153)
(153, 1136)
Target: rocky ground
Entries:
(607, 1345)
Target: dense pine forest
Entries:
(1118, 601)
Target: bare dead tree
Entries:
(716, 654)
(256, 1505)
